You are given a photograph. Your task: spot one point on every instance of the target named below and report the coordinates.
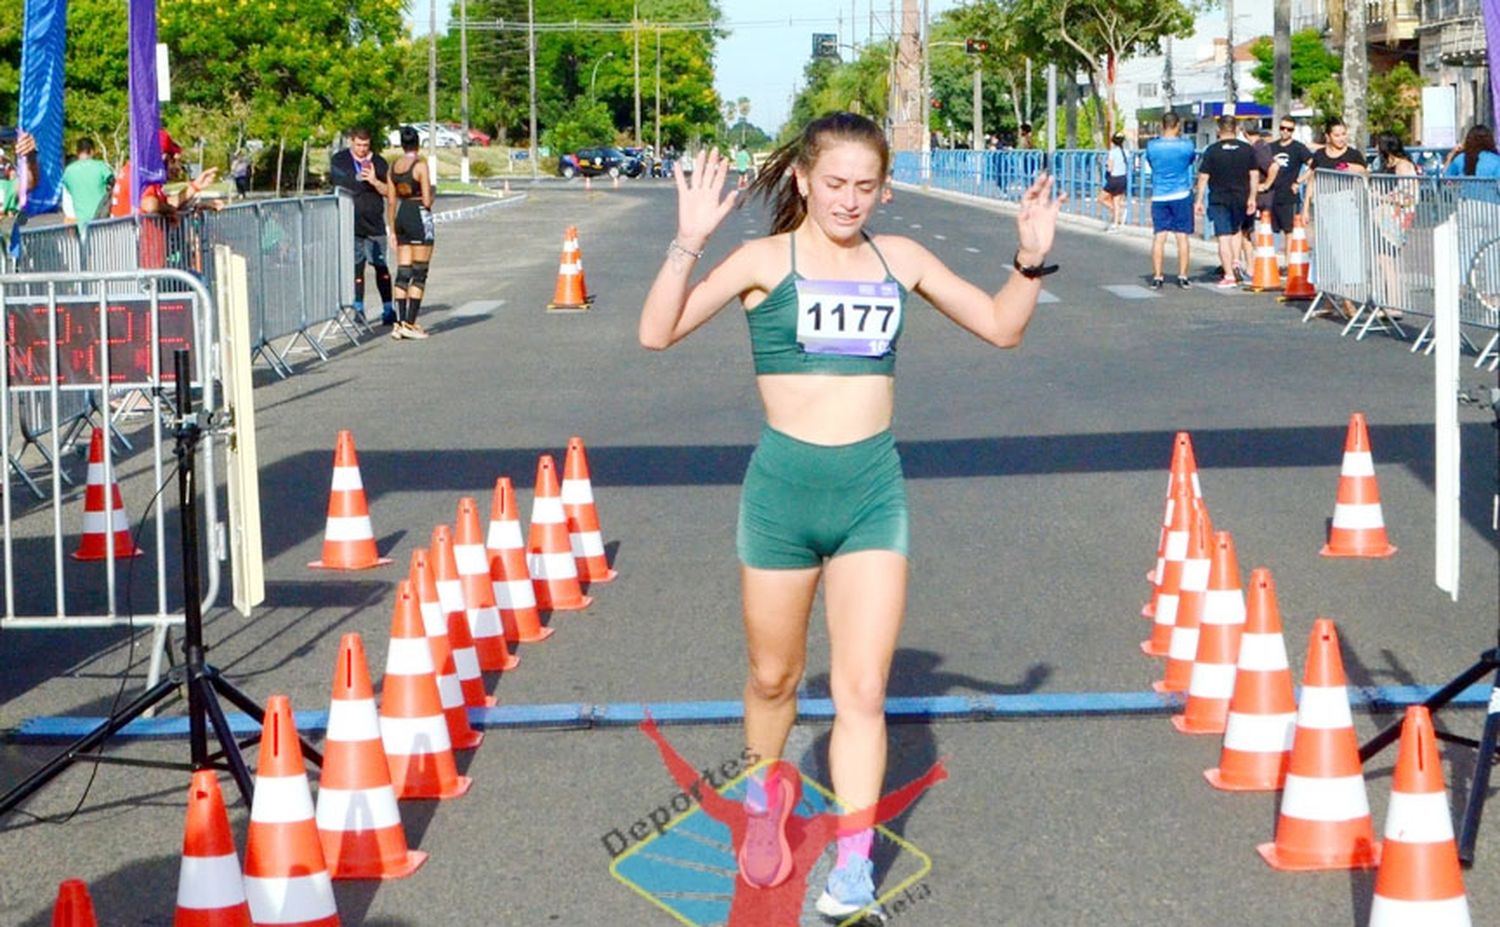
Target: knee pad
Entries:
(403, 276)
(419, 274)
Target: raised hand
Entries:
(1036, 222)
(701, 205)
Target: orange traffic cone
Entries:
(437, 622)
(509, 576)
(584, 535)
(1358, 528)
(549, 554)
(74, 907)
(412, 725)
(210, 886)
(349, 540)
(358, 821)
(491, 639)
(1263, 712)
(1419, 883)
(1325, 815)
(572, 291)
(100, 520)
(1182, 649)
(450, 682)
(286, 878)
(1181, 578)
(1211, 681)
(1184, 467)
(1298, 265)
(450, 587)
(1265, 275)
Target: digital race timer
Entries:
(80, 350)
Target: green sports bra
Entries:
(774, 343)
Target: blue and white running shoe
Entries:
(851, 890)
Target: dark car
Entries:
(593, 162)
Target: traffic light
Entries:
(976, 46)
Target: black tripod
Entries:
(1489, 662)
(204, 683)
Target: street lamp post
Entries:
(531, 69)
(463, 86)
(595, 73)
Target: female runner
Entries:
(409, 212)
(823, 496)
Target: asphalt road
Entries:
(1035, 478)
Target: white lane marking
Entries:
(915, 225)
(478, 307)
(1130, 291)
(1046, 296)
(940, 237)
(972, 250)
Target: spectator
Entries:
(87, 181)
(1479, 156)
(1334, 154)
(1025, 142)
(1116, 179)
(239, 171)
(1171, 160)
(154, 198)
(11, 177)
(1394, 215)
(366, 176)
(1285, 177)
(1227, 179)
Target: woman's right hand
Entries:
(701, 205)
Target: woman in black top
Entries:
(409, 206)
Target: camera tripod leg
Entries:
(1489, 661)
(250, 707)
(1484, 761)
(207, 697)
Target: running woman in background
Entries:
(823, 497)
(409, 211)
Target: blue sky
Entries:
(768, 45)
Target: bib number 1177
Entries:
(840, 317)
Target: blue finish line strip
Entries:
(911, 710)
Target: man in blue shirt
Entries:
(1171, 160)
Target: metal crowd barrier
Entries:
(106, 338)
(1372, 246)
(1005, 175)
(300, 253)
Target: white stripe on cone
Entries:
(513, 594)
(352, 720)
(1357, 463)
(346, 479)
(552, 566)
(1262, 653)
(1325, 798)
(1324, 708)
(1224, 606)
(1184, 644)
(1420, 817)
(288, 800)
(352, 528)
(414, 736)
(1358, 517)
(466, 663)
(451, 596)
(298, 898)
(357, 809)
(504, 535)
(586, 544)
(1260, 733)
(470, 559)
(208, 882)
(1212, 680)
(1390, 912)
(577, 492)
(547, 510)
(408, 656)
(100, 523)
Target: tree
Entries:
(1314, 72)
(1395, 97)
(1281, 69)
(1356, 71)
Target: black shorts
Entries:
(1115, 185)
(413, 224)
(1283, 216)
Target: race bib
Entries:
(849, 318)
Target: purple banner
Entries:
(146, 165)
(1492, 43)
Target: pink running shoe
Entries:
(765, 857)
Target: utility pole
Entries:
(635, 29)
(1356, 72)
(1051, 107)
(1027, 117)
(976, 142)
(1168, 84)
(531, 70)
(1281, 78)
(432, 90)
(658, 94)
(926, 82)
(463, 86)
(1231, 92)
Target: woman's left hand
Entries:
(1037, 221)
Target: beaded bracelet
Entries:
(674, 246)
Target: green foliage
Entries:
(584, 124)
(1315, 71)
(1395, 97)
(481, 169)
(832, 85)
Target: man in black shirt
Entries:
(365, 174)
(1227, 179)
(1281, 180)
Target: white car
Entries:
(446, 137)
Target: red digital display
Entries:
(80, 353)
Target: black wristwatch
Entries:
(1032, 273)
